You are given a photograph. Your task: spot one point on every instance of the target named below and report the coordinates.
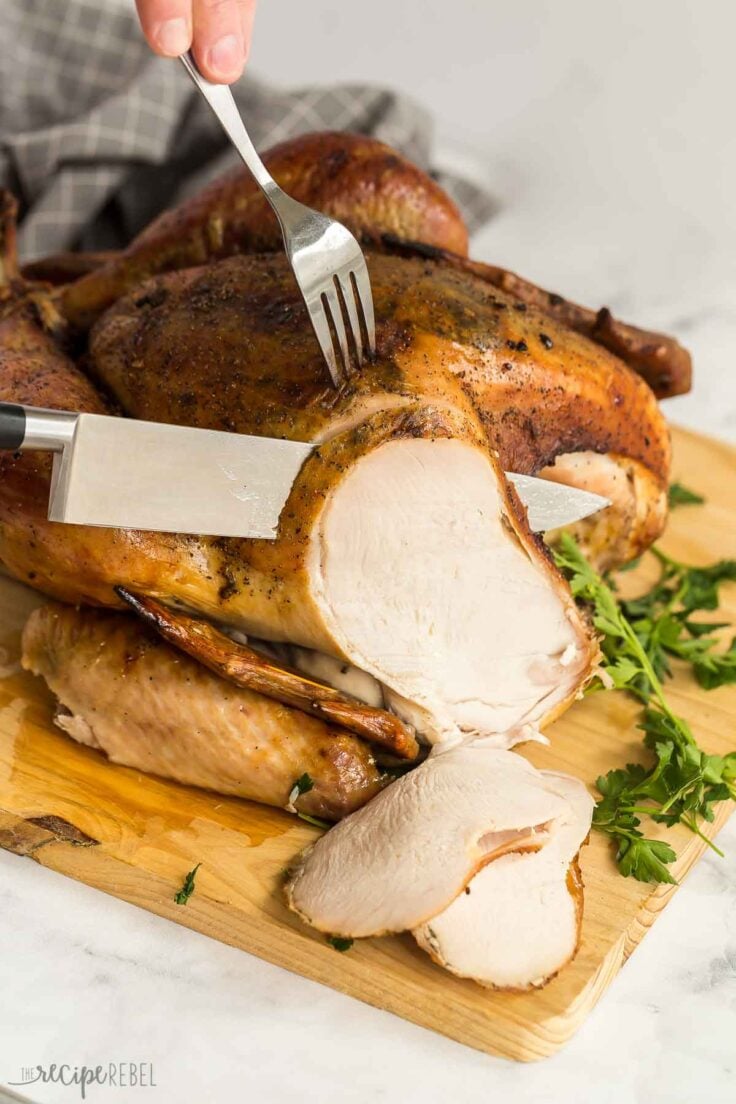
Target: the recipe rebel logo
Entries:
(112, 1075)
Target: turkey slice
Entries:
(406, 856)
(518, 921)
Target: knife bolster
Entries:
(12, 426)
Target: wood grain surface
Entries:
(135, 836)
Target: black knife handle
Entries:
(32, 427)
(12, 426)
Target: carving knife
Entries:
(127, 474)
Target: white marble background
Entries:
(606, 133)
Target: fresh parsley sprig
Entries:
(187, 888)
(303, 784)
(339, 944)
(663, 619)
(684, 783)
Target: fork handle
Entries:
(220, 99)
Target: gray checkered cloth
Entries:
(97, 135)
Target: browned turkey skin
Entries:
(473, 373)
(146, 705)
(658, 358)
(384, 199)
(228, 347)
(543, 392)
(364, 184)
(250, 669)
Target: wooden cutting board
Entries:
(135, 836)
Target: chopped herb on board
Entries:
(187, 889)
(638, 637)
(680, 495)
(339, 943)
(302, 785)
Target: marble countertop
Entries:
(604, 133)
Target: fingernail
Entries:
(173, 36)
(226, 56)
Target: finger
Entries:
(248, 16)
(167, 25)
(219, 46)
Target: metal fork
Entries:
(326, 260)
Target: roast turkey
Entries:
(405, 600)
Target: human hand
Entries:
(218, 31)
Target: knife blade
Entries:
(551, 505)
(122, 473)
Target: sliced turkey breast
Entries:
(148, 706)
(416, 568)
(462, 626)
(407, 855)
(402, 551)
(518, 921)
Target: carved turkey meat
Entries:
(475, 852)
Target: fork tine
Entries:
(322, 332)
(331, 304)
(361, 282)
(347, 299)
(318, 248)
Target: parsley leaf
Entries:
(645, 859)
(663, 620)
(304, 784)
(638, 637)
(716, 670)
(680, 495)
(187, 888)
(339, 943)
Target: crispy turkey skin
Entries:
(363, 183)
(542, 392)
(146, 705)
